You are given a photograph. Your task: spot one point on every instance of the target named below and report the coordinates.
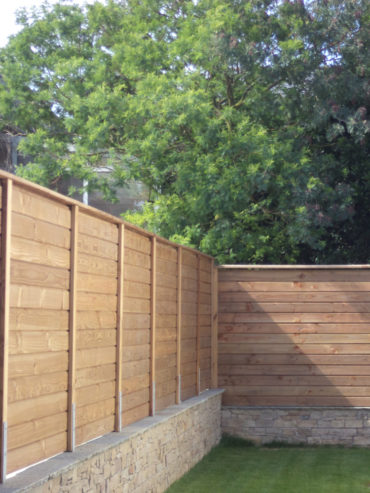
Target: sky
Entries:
(8, 8)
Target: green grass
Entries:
(238, 466)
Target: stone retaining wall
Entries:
(147, 457)
(309, 425)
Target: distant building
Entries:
(129, 198)
(10, 157)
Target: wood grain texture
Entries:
(92, 313)
(294, 336)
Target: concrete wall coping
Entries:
(44, 471)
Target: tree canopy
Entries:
(247, 120)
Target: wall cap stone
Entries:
(40, 473)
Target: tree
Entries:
(246, 120)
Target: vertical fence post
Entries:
(71, 427)
(178, 324)
(121, 262)
(153, 322)
(198, 324)
(214, 336)
(7, 189)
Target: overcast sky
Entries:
(7, 15)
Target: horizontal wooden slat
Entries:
(36, 297)
(94, 393)
(136, 321)
(33, 386)
(167, 280)
(39, 253)
(95, 338)
(94, 226)
(32, 409)
(135, 383)
(135, 353)
(94, 412)
(136, 305)
(96, 265)
(166, 252)
(295, 296)
(294, 359)
(24, 319)
(297, 381)
(307, 307)
(24, 365)
(166, 321)
(166, 307)
(36, 451)
(166, 334)
(94, 430)
(321, 370)
(135, 399)
(135, 414)
(93, 375)
(189, 258)
(295, 275)
(26, 273)
(31, 204)
(166, 267)
(96, 301)
(295, 317)
(308, 349)
(295, 328)
(293, 390)
(96, 320)
(137, 241)
(37, 341)
(137, 274)
(269, 339)
(39, 231)
(135, 337)
(133, 368)
(98, 247)
(95, 357)
(278, 286)
(238, 400)
(96, 283)
(132, 289)
(137, 259)
(38, 429)
(165, 401)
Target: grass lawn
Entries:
(236, 466)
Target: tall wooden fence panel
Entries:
(205, 308)
(136, 327)
(96, 325)
(38, 327)
(189, 309)
(100, 323)
(295, 335)
(166, 332)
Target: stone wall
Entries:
(147, 457)
(310, 425)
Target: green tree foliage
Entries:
(247, 120)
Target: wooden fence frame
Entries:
(7, 180)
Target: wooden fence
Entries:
(102, 323)
(294, 335)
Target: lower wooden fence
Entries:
(101, 323)
(294, 335)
